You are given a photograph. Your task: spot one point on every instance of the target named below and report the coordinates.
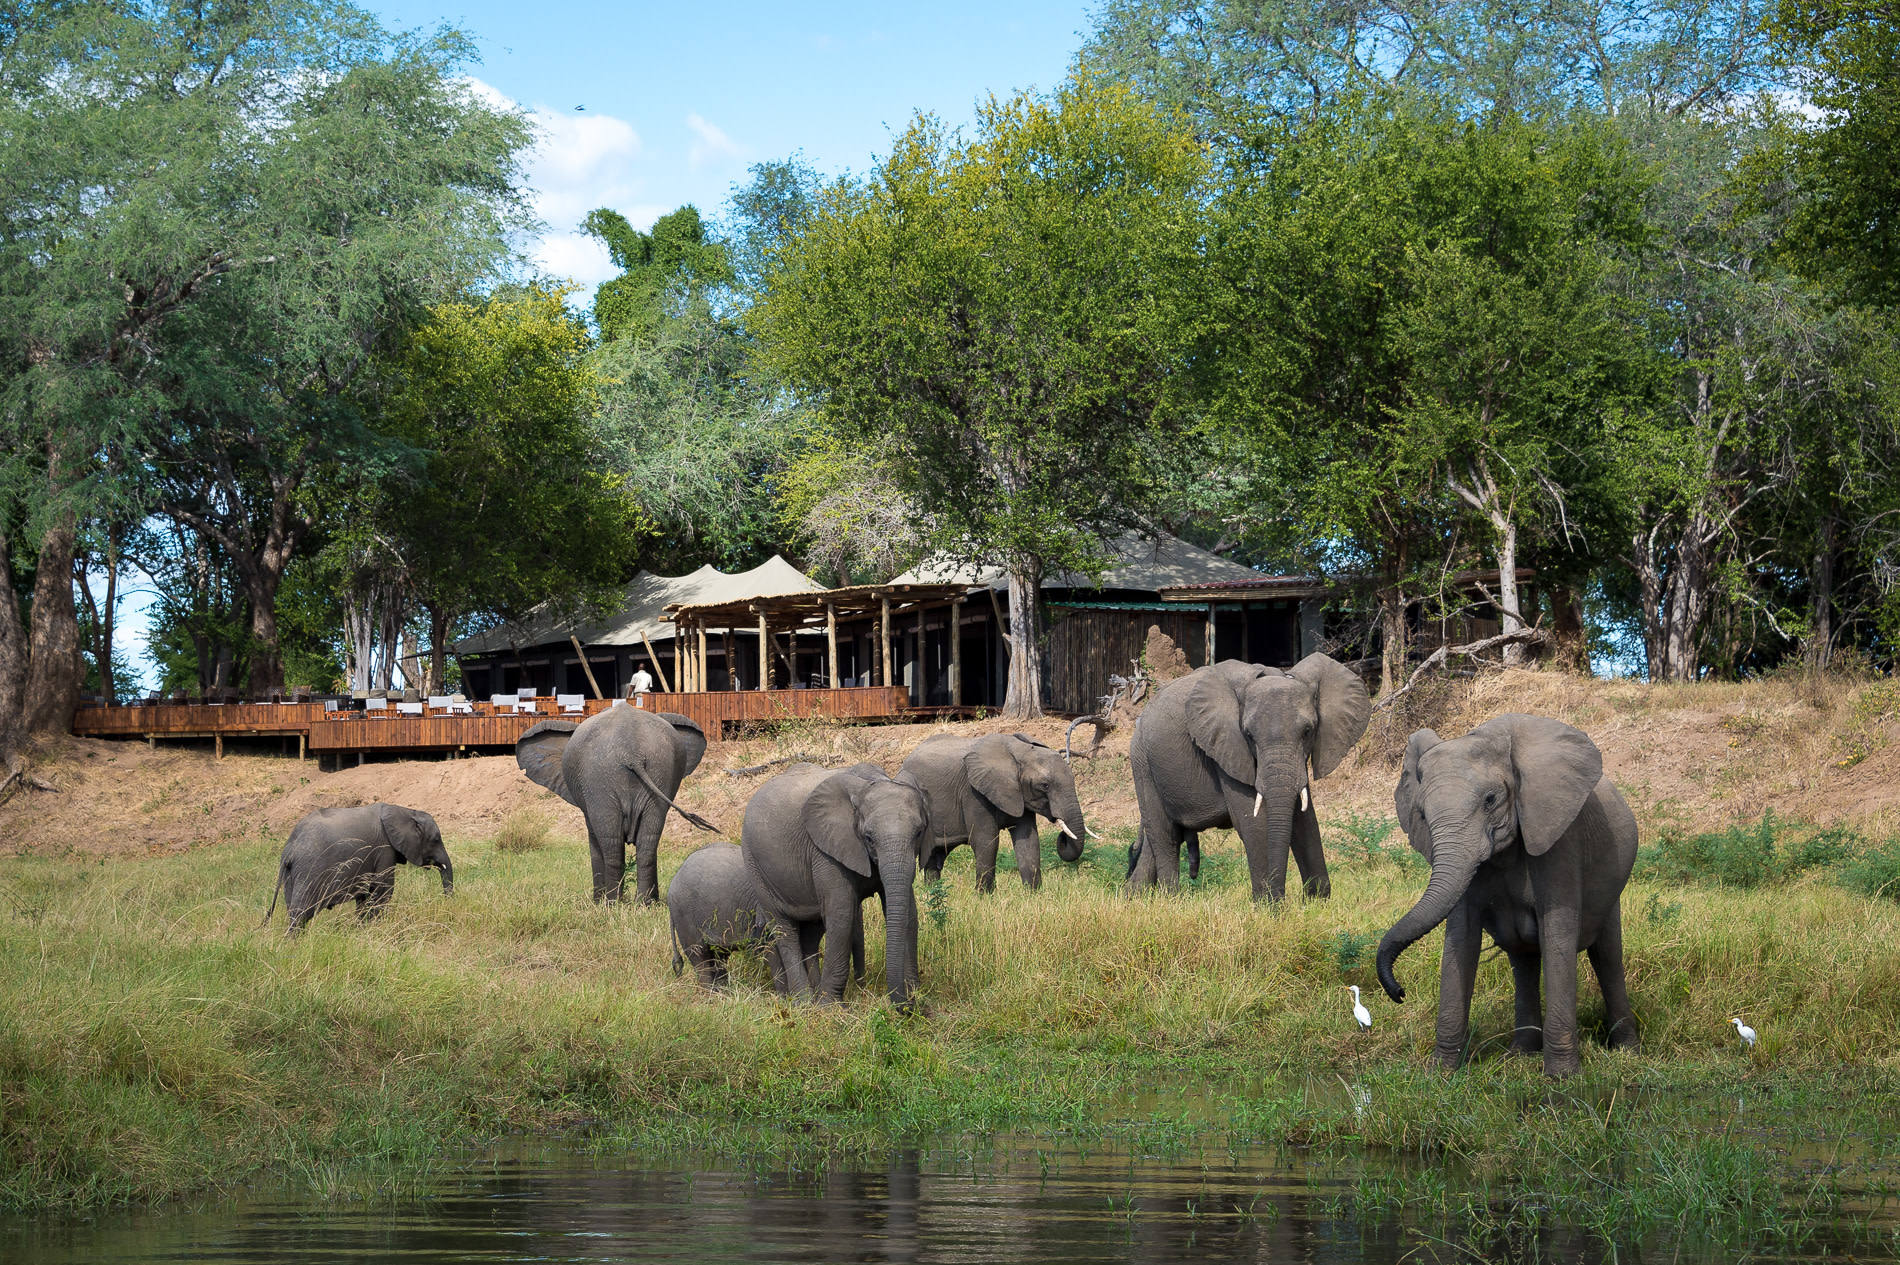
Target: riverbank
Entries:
(155, 1041)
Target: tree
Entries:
(208, 218)
(511, 508)
(662, 273)
(1008, 313)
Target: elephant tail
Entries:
(666, 799)
(273, 898)
(679, 959)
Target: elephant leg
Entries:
(1527, 971)
(703, 965)
(1309, 853)
(985, 843)
(789, 974)
(379, 890)
(810, 938)
(933, 862)
(1457, 976)
(646, 854)
(857, 941)
(1155, 858)
(717, 975)
(1606, 959)
(1191, 840)
(1557, 937)
(606, 849)
(842, 911)
(1027, 841)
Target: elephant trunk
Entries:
(1451, 875)
(448, 877)
(1066, 809)
(1276, 803)
(897, 875)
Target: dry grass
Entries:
(524, 830)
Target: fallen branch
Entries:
(826, 760)
(1102, 727)
(1471, 650)
(19, 777)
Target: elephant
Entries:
(1529, 841)
(715, 912)
(339, 854)
(1229, 745)
(817, 843)
(979, 787)
(621, 768)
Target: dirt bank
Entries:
(1693, 757)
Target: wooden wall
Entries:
(1086, 647)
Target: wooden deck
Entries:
(340, 732)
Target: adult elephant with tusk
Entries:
(621, 768)
(1528, 840)
(980, 787)
(1230, 745)
(817, 843)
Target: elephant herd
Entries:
(1526, 837)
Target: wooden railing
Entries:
(487, 726)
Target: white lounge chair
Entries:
(571, 704)
(409, 709)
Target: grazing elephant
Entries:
(979, 787)
(621, 768)
(1229, 745)
(715, 912)
(339, 854)
(817, 843)
(1530, 842)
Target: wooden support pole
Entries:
(1208, 655)
(1246, 649)
(765, 651)
(956, 652)
(1002, 625)
(917, 672)
(885, 658)
(728, 645)
(653, 656)
(831, 644)
(218, 739)
(301, 738)
(701, 675)
(585, 667)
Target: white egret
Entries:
(1747, 1033)
(1359, 1010)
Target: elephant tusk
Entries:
(1066, 830)
(1305, 799)
(1091, 832)
(1256, 803)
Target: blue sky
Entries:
(680, 99)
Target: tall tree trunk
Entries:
(52, 683)
(267, 659)
(1566, 620)
(1480, 491)
(439, 646)
(13, 657)
(1819, 651)
(1393, 634)
(1024, 699)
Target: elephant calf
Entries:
(979, 787)
(339, 854)
(716, 912)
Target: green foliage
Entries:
(1770, 851)
(1349, 949)
(1875, 872)
(664, 273)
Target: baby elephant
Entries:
(339, 854)
(715, 912)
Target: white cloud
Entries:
(713, 145)
(580, 161)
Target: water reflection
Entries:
(1032, 1203)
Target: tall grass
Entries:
(154, 1039)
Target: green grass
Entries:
(155, 1040)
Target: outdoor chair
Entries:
(572, 704)
(376, 705)
(526, 691)
(439, 702)
(409, 709)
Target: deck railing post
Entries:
(765, 652)
(956, 652)
(884, 645)
(700, 675)
(831, 644)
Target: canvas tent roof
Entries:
(644, 606)
(1145, 565)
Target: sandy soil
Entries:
(1688, 757)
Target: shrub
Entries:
(1875, 872)
(524, 830)
(1770, 851)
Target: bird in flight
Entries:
(1359, 1010)
(580, 107)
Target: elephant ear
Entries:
(688, 737)
(869, 772)
(1032, 740)
(1557, 769)
(403, 832)
(538, 752)
(993, 771)
(1213, 722)
(1409, 797)
(1343, 704)
(830, 818)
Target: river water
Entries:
(1021, 1200)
